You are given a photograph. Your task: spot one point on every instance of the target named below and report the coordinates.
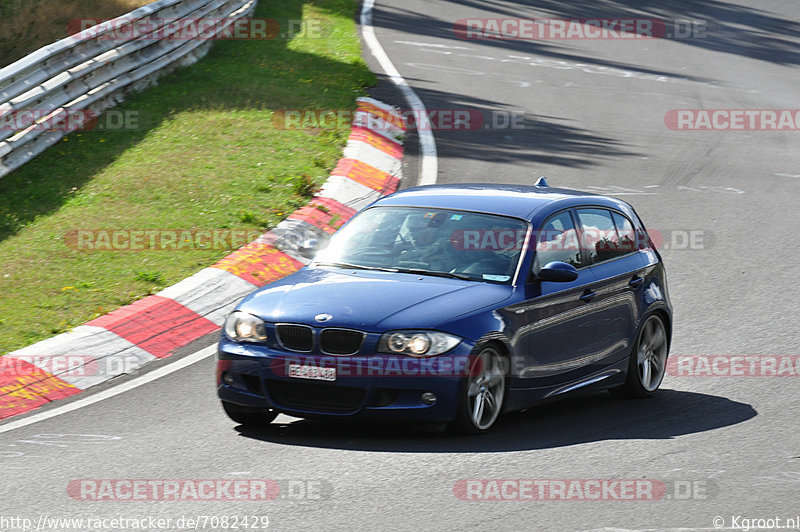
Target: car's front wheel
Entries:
(250, 417)
(648, 361)
(483, 394)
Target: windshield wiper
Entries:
(434, 273)
(354, 266)
(418, 271)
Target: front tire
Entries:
(648, 361)
(483, 394)
(249, 417)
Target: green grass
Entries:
(209, 158)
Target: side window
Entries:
(627, 235)
(558, 240)
(600, 238)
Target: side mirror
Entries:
(308, 248)
(557, 272)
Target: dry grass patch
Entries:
(27, 25)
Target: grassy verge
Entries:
(209, 157)
(27, 25)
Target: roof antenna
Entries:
(541, 182)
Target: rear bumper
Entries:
(377, 386)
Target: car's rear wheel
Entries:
(648, 361)
(483, 394)
(251, 417)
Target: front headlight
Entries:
(244, 327)
(417, 343)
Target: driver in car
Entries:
(428, 242)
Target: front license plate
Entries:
(315, 373)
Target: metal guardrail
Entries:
(89, 75)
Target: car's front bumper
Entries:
(369, 386)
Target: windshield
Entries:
(440, 242)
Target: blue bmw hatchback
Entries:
(455, 303)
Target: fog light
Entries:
(428, 398)
(227, 378)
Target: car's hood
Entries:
(367, 300)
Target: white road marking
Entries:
(616, 190)
(522, 84)
(727, 190)
(589, 68)
(111, 392)
(548, 63)
(789, 175)
(447, 68)
(466, 72)
(429, 163)
(432, 45)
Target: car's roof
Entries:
(521, 201)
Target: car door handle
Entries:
(588, 296)
(636, 282)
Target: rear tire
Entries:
(250, 417)
(648, 360)
(483, 394)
